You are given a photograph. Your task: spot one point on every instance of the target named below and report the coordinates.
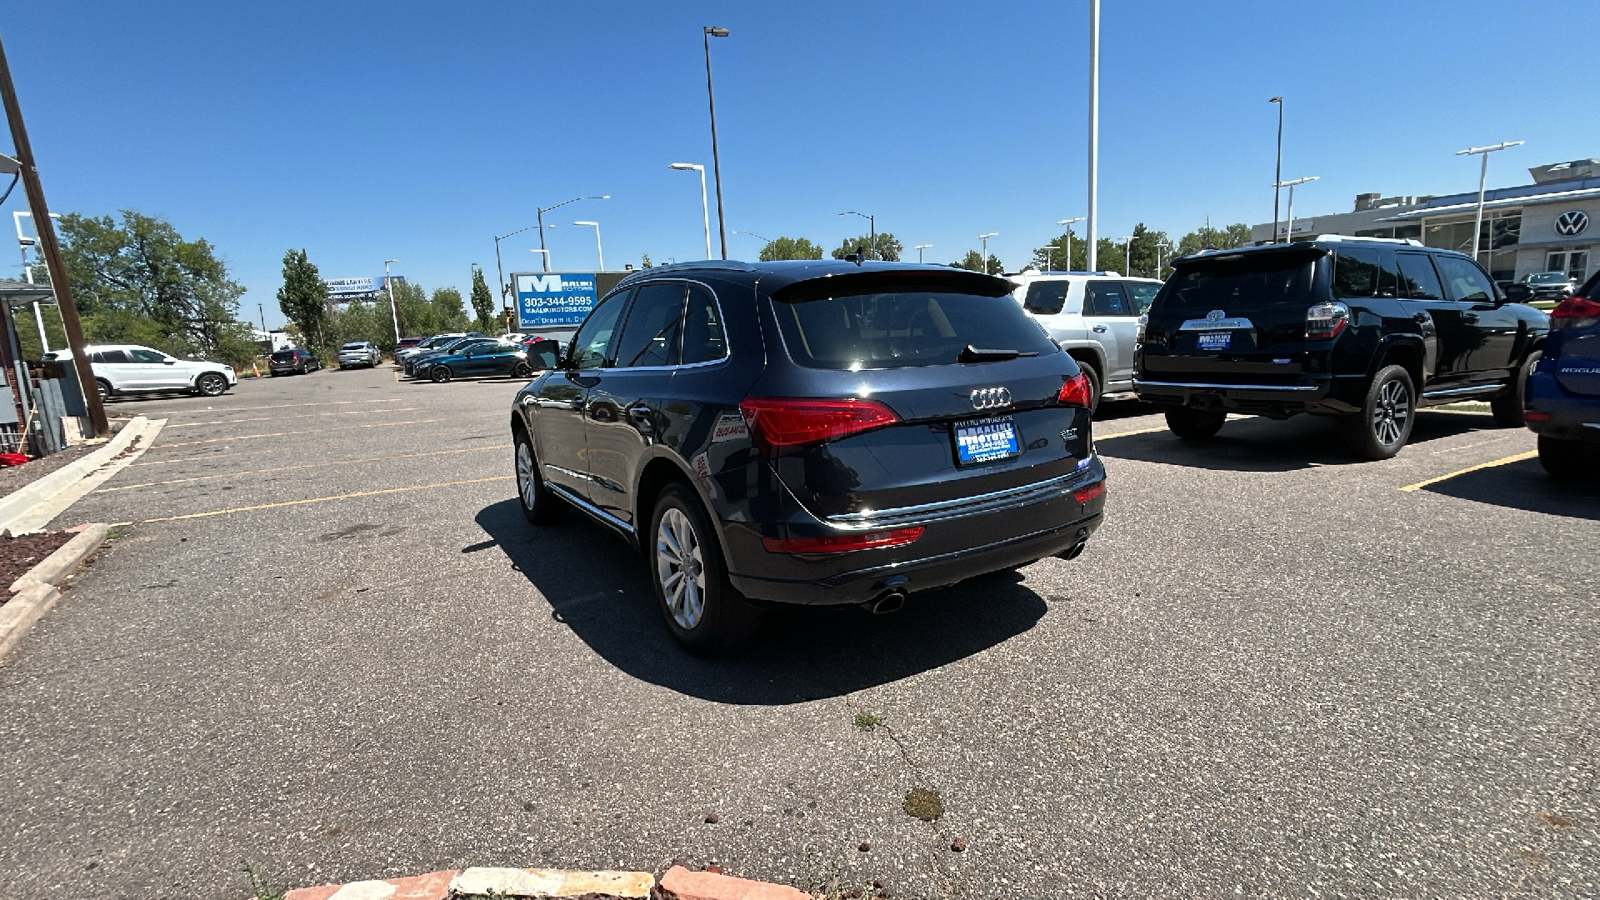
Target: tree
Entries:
(973, 262)
(448, 312)
(645, 262)
(791, 248)
(888, 247)
(139, 281)
(482, 301)
(1208, 238)
(304, 297)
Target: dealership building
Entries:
(1546, 226)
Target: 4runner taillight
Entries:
(777, 422)
(1575, 312)
(1326, 320)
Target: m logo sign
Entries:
(545, 284)
(1573, 223)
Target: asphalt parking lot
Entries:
(330, 645)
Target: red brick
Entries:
(432, 886)
(681, 884)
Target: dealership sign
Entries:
(1572, 223)
(350, 287)
(554, 299)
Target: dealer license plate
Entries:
(985, 440)
(1215, 340)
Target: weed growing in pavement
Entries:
(260, 887)
(117, 532)
(923, 804)
(868, 721)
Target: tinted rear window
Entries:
(283, 356)
(354, 347)
(1046, 298)
(902, 328)
(1257, 280)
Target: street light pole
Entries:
(1068, 223)
(757, 237)
(872, 226)
(1127, 254)
(394, 314)
(1288, 232)
(598, 252)
(1277, 174)
(1160, 245)
(920, 248)
(716, 161)
(705, 210)
(1094, 132)
(983, 264)
(541, 226)
(1047, 249)
(1483, 175)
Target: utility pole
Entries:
(50, 249)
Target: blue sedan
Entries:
(1563, 401)
(477, 360)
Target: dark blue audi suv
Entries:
(811, 432)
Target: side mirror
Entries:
(548, 353)
(169, 361)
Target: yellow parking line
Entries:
(1107, 437)
(1488, 465)
(341, 412)
(337, 462)
(399, 490)
(247, 437)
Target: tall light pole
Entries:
(705, 210)
(1288, 232)
(872, 226)
(394, 315)
(984, 263)
(1127, 254)
(1483, 174)
(543, 252)
(24, 242)
(716, 162)
(1277, 173)
(1068, 223)
(1047, 249)
(758, 237)
(597, 250)
(920, 248)
(1160, 245)
(1094, 131)
(541, 226)
(500, 269)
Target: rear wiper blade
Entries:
(971, 354)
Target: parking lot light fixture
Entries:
(705, 209)
(1277, 173)
(1288, 231)
(597, 249)
(708, 33)
(545, 253)
(1047, 250)
(872, 229)
(394, 315)
(919, 248)
(1068, 223)
(983, 264)
(1483, 174)
(544, 209)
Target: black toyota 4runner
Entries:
(1368, 330)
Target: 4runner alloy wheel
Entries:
(700, 605)
(1384, 424)
(210, 384)
(1195, 424)
(1510, 410)
(539, 506)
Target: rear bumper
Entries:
(1336, 394)
(1057, 524)
(1570, 416)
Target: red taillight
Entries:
(1326, 320)
(1085, 494)
(1575, 312)
(844, 543)
(1075, 392)
(783, 422)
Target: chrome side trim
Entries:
(1294, 388)
(963, 506)
(569, 473)
(1475, 389)
(589, 508)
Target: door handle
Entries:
(640, 412)
(1101, 329)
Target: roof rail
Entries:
(1377, 240)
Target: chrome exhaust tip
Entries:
(1074, 551)
(886, 602)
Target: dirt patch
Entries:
(19, 554)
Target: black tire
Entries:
(1090, 373)
(1563, 459)
(1387, 415)
(440, 374)
(103, 387)
(210, 384)
(682, 550)
(539, 505)
(1510, 411)
(1195, 424)
(521, 370)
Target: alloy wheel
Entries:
(679, 568)
(1390, 413)
(527, 485)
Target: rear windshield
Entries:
(1254, 280)
(902, 328)
(283, 355)
(357, 346)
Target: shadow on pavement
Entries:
(596, 584)
(1264, 445)
(1525, 485)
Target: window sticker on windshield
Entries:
(1215, 340)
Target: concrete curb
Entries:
(20, 612)
(678, 883)
(20, 502)
(54, 569)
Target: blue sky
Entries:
(418, 131)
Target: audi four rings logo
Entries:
(991, 398)
(1215, 315)
(1572, 223)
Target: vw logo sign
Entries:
(1572, 223)
(991, 398)
(1215, 315)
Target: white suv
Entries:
(133, 369)
(1094, 316)
(358, 353)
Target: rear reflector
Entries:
(1085, 494)
(1536, 416)
(788, 422)
(1075, 392)
(1575, 312)
(844, 543)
